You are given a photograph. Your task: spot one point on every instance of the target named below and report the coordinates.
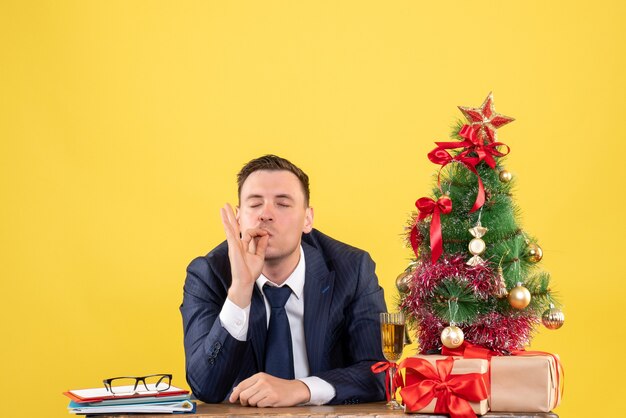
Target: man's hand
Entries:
(246, 253)
(265, 390)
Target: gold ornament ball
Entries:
(553, 318)
(505, 176)
(534, 253)
(402, 281)
(519, 297)
(452, 336)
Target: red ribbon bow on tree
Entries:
(474, 152)
(474, 143)
(453, 392)
(427, 206)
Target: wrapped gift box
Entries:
(461, 366)
(524, 383)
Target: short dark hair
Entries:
(273, 163)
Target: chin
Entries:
(275, 254)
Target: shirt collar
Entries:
(295, 280)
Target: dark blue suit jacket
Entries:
(342, 302)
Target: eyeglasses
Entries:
(127, 385)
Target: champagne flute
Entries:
(392, 337)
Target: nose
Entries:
(266, 215)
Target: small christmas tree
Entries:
(475, 275)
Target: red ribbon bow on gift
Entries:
(428, 206)
(469, 350)
(385, 366)
(453, 392)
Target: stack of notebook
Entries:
(101, 401)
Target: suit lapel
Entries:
(258, 327)
(318, 291)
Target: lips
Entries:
(269, 232)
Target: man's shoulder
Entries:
(216, 260)
(353, 267)
(218, 252)
(331, 247)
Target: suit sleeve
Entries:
(211, 353)
(356, 383)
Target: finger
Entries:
(254, 233)
(243, 385)
(231, 236)
(243, 400)
(254, 393)
(246, 239)
(261, 245)
(244, 396)
(260, 399)
(252, 245)
(232, 219)
(234, 396)
(249, 239)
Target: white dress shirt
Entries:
(235, 320)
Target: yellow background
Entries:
(123, 124)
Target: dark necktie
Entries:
(278, 348)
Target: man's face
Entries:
(273, 200)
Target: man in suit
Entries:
(315, 348)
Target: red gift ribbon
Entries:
(385, 366)
(427, 206)
(469, 350)
(453, 392)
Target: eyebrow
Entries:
(278, 196)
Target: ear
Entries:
(237, 214)
(308, 220)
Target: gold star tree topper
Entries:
(485, 119)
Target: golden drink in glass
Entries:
(392, 338)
